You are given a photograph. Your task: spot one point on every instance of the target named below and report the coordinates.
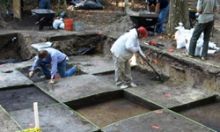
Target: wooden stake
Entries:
(36, 115)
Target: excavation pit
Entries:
(106, 108)
(157, 121)
(7, 124)
(205, 111)
(14, 48)
(79, 43)
(23, 97)
(9, 49)
(54, 118)
(140, 76)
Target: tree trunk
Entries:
(65, 3)
(117, 3)
(178, 13)
(2, 22)
(126, 5)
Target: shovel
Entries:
(158, 76)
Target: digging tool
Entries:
(158, 76)
(154, 43)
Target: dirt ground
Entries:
(111, 21)
(112, 111)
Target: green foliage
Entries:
(4, 3)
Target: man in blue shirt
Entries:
(57, 61)
(162, 8)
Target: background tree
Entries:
(3, 10)
(178, 13)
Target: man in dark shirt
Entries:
(151, 5)
(44, 4)
(162, 8)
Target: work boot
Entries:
(189, 55)
(123, 86)
(133, 85)
(203, 58)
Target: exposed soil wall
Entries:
(2, 22)
(26, 51)
(183, 71)
(16, 47)
(74, 43)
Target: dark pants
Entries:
(206, 28)
(162, 18)
(44, 4)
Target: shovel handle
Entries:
(146, 60)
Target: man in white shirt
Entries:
(123, 49)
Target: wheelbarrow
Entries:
(149, 21)
(44, 17)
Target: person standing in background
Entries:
(151, 5)
(44, 4)
(205, 11)
(160, 7)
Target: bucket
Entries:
(78, 26)
(68, 24)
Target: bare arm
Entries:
(199, 7)
(157, 9)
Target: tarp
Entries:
(89, 4)
(183, 37)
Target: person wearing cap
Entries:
(123, 49)
(56, 60)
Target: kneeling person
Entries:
(57, 62)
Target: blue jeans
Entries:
(44, 4)
(162, 19)
(61, 68)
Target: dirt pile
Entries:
(118, 27)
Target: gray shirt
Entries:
(206, 10)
